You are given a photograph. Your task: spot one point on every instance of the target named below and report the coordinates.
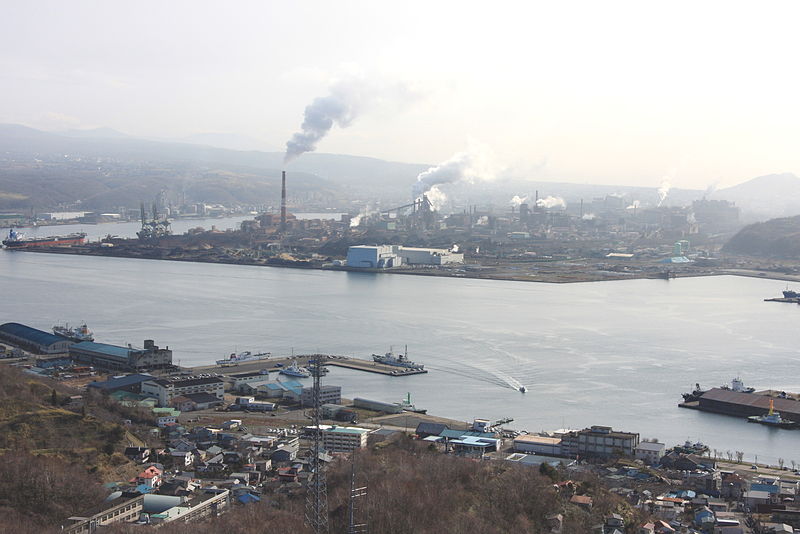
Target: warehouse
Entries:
(33, 340)
(731, 402)
(373, 257)
(376, 406)
(538, 445)
(428, 256)
(121, 358)
(386, 256)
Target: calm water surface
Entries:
(609, 353)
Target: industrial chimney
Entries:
(283, 201)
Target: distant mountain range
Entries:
(776, 238)
(103, 168)
(765, 197)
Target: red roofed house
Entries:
(150, 477)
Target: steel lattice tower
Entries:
(317, 491)
(355, 493)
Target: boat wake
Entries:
(497, 379)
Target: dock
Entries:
(375, 367)
(278, 363)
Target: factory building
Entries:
(121, 358)
(327, 395)
(373, 257)
(429, 256)
(165, 390)
(599, 441)
(538, 445)
(386, 256)
(377, 406)
(33, 340)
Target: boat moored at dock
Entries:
(772, 418)
(19, 241)
(77, 334)
(295, 370)
(401, 360)
(243, 357)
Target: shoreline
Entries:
(563, 277)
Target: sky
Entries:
(614, 92)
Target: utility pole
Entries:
(317, 492)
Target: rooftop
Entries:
(33, 335)
(103, 348)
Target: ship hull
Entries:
(57, 241)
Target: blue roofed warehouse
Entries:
(32, 339)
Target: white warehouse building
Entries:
(386, 256)
(373, 257)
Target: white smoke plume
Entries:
(470, 166)
(517, 201)
(663, 191)
(588, 216)
(551, 202)
(690, 218)
(355, 221)
(710, 190)
(634, 205)
(455, 249)
(436, 197)
(345, 100)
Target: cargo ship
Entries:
(243, 357)
(79, 333)
(400, 360)
(15, 240)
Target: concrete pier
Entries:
(275, 364)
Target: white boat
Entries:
(295, 370)
(244, 357)
(400, 360)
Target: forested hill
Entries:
(776, 238)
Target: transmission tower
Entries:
(355, 493)
(317, 491)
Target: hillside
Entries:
(765, 197)
(54, 458)
(776, 238)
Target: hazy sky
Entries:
(597, 92)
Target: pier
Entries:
(275, 364)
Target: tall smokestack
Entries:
(581, 208)
(283, 201)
